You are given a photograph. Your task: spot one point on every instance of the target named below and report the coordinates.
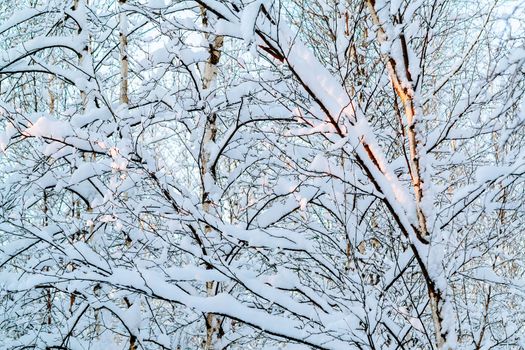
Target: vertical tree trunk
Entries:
(49, 299)
(123, 39)
(80, 5)
(213, 324)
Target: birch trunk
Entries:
(79, 5)
(123, 39)
(213, 324)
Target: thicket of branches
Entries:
(262, 174)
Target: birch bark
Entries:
(213, 323)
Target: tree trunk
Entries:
(123, 39)
(213, 324)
